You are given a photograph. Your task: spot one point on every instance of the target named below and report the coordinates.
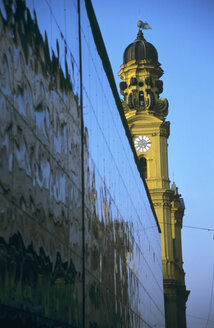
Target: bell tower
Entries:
(146, 115)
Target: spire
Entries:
(140, 36)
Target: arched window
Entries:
(141, 98)
(130, 101)
(143, 166)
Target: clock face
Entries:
(142, 144)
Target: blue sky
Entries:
(182, 32)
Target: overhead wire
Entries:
(184, 226)
(199, 228)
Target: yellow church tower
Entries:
(145, 112)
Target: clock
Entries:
(142, 144)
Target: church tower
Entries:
(146, 115)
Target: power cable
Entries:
(199, 228)
(184, 226)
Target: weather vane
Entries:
(143, 26)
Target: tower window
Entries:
(130, 101)
(133, 81)
(141, 98)
(143, 166)
(123, 85)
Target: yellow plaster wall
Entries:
(150, 122)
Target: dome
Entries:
(140, 49)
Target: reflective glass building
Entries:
(80, 243)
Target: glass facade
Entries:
(73, 204)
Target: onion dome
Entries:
(140, 49)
